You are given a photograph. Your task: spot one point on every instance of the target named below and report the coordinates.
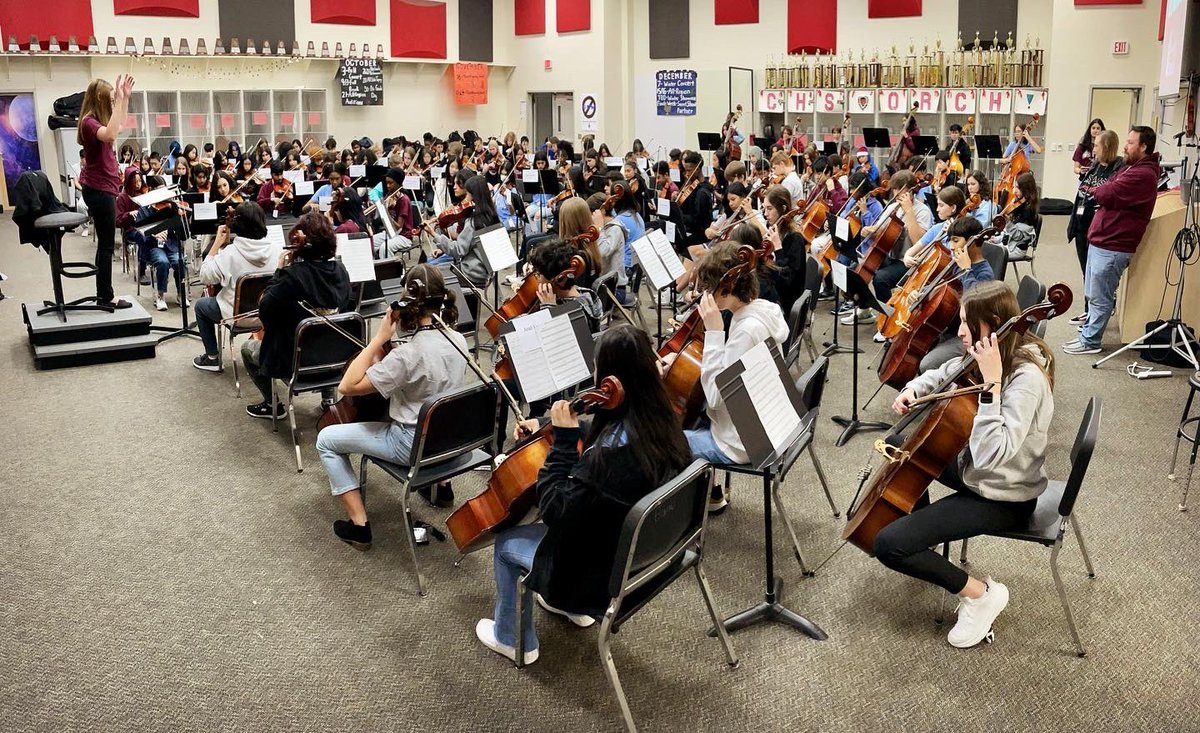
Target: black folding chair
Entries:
(1029, 293)
(662, 538)
(247, 292)
(373, 299)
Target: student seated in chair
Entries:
(425, 365)
(971, 269)
(754, 320)
(628, 452)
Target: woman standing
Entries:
(102, 115)
(1105, 164)
(1085, 151)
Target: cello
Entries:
(1018, 164)
(938, 440)
(510, 493)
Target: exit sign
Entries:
(1120, 48)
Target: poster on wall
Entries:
(589, 112)
(361, 82)
(470, 83)
(1171, 65)
(675, 93)
(18, 137)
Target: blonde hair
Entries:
(97, 102)
(781, 158)
(1107, 145)
(994, 303)
(575, 218)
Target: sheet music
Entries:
(412, 182)
(545, 354)
(662, 247)
(842, 229)
(304, 188)
(358, 171)
(204, 212)
(764, 386)
(643, 163)
(643, 250)
(670, 231)
(264, 174)
(293, 176)
(497, 249)
(614, 162)
(529, 158)
(155, 196)
(275, 236)
(663, 207)
(168, 179)
(839, 275)
(563, 352)
(356, 257)
(529, 175)
(674, 175)
(437, 171)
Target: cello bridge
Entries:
(890, 453)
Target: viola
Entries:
(689, 186)
(510, 493)
(941, 436)
(452, 215)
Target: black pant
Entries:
(103, 208)
(887, 277)
(1081, 251)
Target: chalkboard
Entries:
(361, 82)
(675, 93)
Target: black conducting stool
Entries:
(1187, 423)
(58, 225)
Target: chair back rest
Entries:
(606, 282)
(811, 383)
(248, 290)
(390, 269)
(1037, 232)
(1081, 454)
(797, 320)
(812, 284)
(1030, 292)
(453, 423)
(997, 257)
(321, 348)
(659, 528)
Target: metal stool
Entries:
(59, 224)
(1192, 421)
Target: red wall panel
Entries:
(734, 12)
(418, 29)
(23, 19)
(344, 12)
(812, 26)
(573, 15)
(163, 8)
(1162, 20)
(893, 8)
(529, 17)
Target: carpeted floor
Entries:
(166, 569)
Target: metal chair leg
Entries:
(274, 401)
(962, 555)
(291, 411)
(1062, 596)
(787, 522)
(1187, 487)
(718, 623)
(941, 612)
(408, 535)
(610, 669)
(824, 483)
(520, 655)
(1087, 561)
(233, 357)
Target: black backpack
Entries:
(1166, 356)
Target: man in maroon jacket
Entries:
(1125, 203)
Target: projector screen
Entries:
(1174, 33)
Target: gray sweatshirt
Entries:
(467, 252)
(1005, 457)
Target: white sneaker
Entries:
(83, 231)
(862, 315)
(975, 616)
(485, 631)
(578, 619)
(160, 303)
(879, 338)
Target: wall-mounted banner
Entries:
(470, 83)
(675, 93)
(995, 101)
(589, 113)
(829, 100)
(799, 101)
(927, 100)
(862, 102)
(960, 101)
(1030, 102)
(893, 100)
(771, 101)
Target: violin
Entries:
(510, 493)
(689, 186)
(943, 433)
(230, 214)
(452, 215)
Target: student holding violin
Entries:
(425, 365)
(574, 221)
(997, 478)
(791, 251)
(465, 249)
(628, 451)
(611, 245)
(275, 195)
(346, 212)
(307, 272)
(1021, 228)
(201, 182)
(695, 201)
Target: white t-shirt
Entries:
(413, 372)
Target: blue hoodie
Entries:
(873, 171)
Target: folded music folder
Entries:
(551, 349)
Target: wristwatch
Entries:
(986, 398)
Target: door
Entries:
(564, 116)
(1117, 106)
(541, 117)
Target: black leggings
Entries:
(904, 544)
(887, 277)
(103, 209)
(1081, 251)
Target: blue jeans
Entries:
(512, 558)
(704, 447)
(208, 314)
(386, 440)
(162, 262)
(1104, 268)
(441, 259)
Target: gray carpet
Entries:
(165, 568)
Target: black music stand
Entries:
(708, 141)
(845, 247)
(877, 138)
(926, 145)
(987, 147)
(860, 294)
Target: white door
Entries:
(564, 116)
(1117, 107)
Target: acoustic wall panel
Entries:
(1108, 2)
(893, 8)
(418, 29)
(669, 37)
(812, 26)
(344, 12)
(529, 17)
(573, 15)
(24, 19)
(735, 12)
(990, 18)
(475, 30)
(262, 20)
(161, 8)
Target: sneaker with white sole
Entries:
(160, 303)
(718, 499)
(861, 315)
(207, 363)
(1080, 319)
(976, 615)
(879, 338)
(485, 631)
(1076, 346)
(576, 618)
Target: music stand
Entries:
(877, 138)
(849, 249)
(828, 147)
(926, 145)
(860, 294)
(988, 147)
(708, 141)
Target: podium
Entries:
(59, 224)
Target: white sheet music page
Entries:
(356, 257)
(304, 188)
(563, 353)
(666, 253)
(764, 386)
(275, 235)
(643, 250)
(839, 275)
(529, 175)
(293, 176)
(498, 249)
(204, 212)
(524, 347)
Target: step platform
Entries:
(89, 337)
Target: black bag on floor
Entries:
(1166, 356)
(1055, 207)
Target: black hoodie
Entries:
(323, 284)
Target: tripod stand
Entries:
(858, 293)
(1187, 243)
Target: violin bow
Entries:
(951, 394)
(475, 367)
(317, 314)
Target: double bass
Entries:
(510, 493)
(900, 151)
(943, 433)
(735, 150)
(1017, 164)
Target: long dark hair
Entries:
(1027, 185)
(652, 429)
(1085, 142)
(438, 299)
(351, 208)
(481, 195)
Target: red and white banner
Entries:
(862, 102)
(799, 101)
(1030, 102)
(772, 101)
(927, 100)
(995, 101)
(960, 101)
(892, 100)
(830, 100)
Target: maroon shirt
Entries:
(1126, 202)
(99, 160)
